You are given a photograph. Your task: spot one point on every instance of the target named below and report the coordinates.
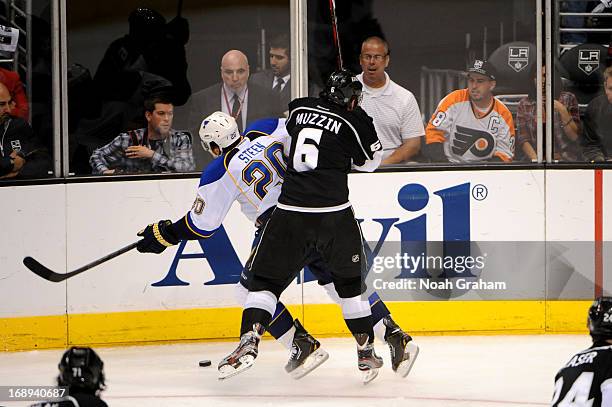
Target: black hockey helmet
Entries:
(600, 318)
(342, 88)
(145, 21)
(81, 369)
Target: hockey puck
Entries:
(205, 363)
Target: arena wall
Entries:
(542, 233)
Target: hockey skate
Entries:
(306, 353)
(403, 350)
(244, 356)
(368, 361)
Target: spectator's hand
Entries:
(18, 161)
(139, 152)
(10, 175)
(156, 237)
(108, 172)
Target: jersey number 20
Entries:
(262, 172)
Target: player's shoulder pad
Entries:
(213, 171)
(261, 127)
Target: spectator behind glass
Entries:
(278, 76)
(151, 46)
(82, 371)
(155, 148)
(234, 95)
(22, 155)
(470, 125)
(566, 126)
(598, 124)
(394, 109)
(11, 80)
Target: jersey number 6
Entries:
(306, 155)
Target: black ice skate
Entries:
(306, 353)
(368, 361)
(244, 356)
(403, 350)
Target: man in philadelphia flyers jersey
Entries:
(329, 136)
(250, 170)
(471, 125)
(586, 380)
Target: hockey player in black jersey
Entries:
(82, 371)
(330, 135)
(586, 380)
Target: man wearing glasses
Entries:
(395, 111)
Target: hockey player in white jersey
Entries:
(250, 170)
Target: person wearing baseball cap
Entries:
(471, 125)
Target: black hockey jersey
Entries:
(583, 380)
(326, 140)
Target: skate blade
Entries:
(313, 361)
(227, 371)
(368, 375)
(404, 368)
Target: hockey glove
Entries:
(156, 237)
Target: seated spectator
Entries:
(11, 80)
(82, 371)
(22, 155)
(234, 95)
(244, 101)
(597, 124)
(394, 109)
(470, 125)
(155, 148)
(566, 126)
(278, 76)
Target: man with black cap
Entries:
(471, 125)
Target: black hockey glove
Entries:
(156, 237)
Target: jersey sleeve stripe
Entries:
(213, 172)
(433, 135)
(503, 157)
(452, 98)
(505, 114)
(195, 230)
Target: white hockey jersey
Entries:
(469, 139)
(252, 174)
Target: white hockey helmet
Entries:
(218, 128)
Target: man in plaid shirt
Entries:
(156, 148)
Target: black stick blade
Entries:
(42, 271)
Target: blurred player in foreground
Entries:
(586, 380)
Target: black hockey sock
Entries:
(250, 316)
(378, 307)
(282, 321)
(361, 325)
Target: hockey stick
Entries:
(50, 275)
(334, 20)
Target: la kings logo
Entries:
(478, 142)
(518, 58)
(588, 60)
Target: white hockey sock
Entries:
(379, 330)
(287, 338)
